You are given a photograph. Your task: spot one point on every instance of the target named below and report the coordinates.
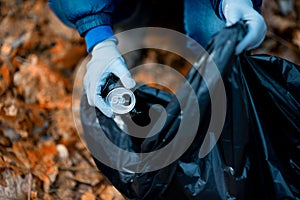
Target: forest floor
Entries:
(41, 153)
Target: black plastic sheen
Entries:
(258, 153)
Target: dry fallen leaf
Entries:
(13, 186)
(88, 196)
(40, 160)
(296, 38)
(4, 77)
(38, 84)
(110, 193)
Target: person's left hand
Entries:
(235, 11)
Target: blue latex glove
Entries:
(105, 59)
(236, 10)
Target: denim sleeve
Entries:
(83, 15)
(217, 6)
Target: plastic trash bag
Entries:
(257, 154)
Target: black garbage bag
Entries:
(255, 156)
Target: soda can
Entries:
(121, 100)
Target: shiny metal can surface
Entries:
(120, 100)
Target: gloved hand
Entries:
(236, 10)
(105, 59)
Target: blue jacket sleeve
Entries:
(83, 14)
(217, 5)
(92, 18)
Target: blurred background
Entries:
(41, 154)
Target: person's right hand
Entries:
(105, 59)
(236, 10)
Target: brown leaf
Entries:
(4, 77)
(43, 164)
(88, 196)
(296, 38)
(62, 125)
(39, 159)
(38, 84)
(47, 197)
(86, 174)
(110, 193)
(19, 149)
